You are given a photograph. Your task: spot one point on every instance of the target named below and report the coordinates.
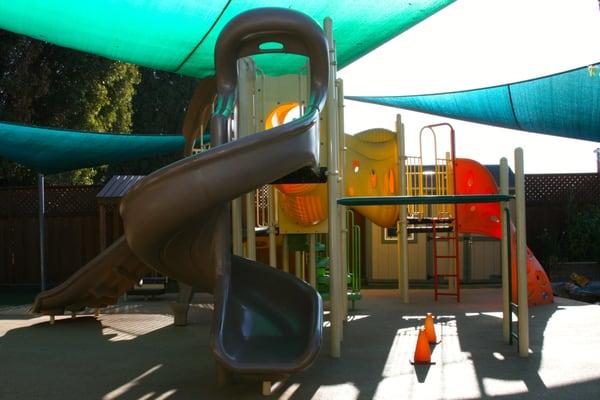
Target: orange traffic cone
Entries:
(422, 351)
(430, 329)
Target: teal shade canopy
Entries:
(180, 35)
(50, 151)
(565, 104)
(176, 36)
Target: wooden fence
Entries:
(72, 223)
(550, 198)
(72, 233)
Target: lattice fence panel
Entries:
(59, 200)
(577, 188)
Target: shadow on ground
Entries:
(142, 356)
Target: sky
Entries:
(478, 43)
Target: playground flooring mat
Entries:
(132, 351)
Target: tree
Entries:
(46, 85)
(161, 101)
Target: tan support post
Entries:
(285, 263)
(401, 227)
(298, 264)
(250, 224)
(272, 238)
(504, 243)
(312, 260)
(521, 254)
(266, 388)
(236, 226)
(335, 266)
(342, 210)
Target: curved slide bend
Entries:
(484, 219)
(177, 220)
(266, 322)
(99, 283)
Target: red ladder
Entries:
(450, 237)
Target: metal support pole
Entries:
(285, 263)
(342, 210)
(42, 230)
(298, 264)
(102, 226)
(272, 238)
(504, 243)
(335, 266)
(312, 260)
(521, 254)
(236, 226)
(401, 227)
(250, 224)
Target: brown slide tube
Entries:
(177, 220)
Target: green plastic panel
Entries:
(180, 35)
(54, 150)
(566, 104)
(454, 199)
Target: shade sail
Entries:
(564, 104)
(180, 35)
(54, 150)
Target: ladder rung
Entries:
(437, 256)
(445, 238)
(447, 275)
(447, 294)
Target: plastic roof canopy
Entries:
(565, 104)
(180, 35)
(54, 150)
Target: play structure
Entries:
(186, 220)
(372, 170)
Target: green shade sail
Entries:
(50, 151)
(566, 104)
(180, 35)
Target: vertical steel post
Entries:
(342, 210)
(236, 226)
(335, 267)
(42, 230)
(312, 257)
(250, 224)
(521, 254)
(272, 238)
(285, 262)
(504, 243)
(401, 226)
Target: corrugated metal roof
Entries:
(118, 186)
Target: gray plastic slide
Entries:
(98, 284)
(177, 220)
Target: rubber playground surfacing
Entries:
(132, 351)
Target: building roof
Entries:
(118, 186)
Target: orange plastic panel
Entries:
(484, 219)
(304, 203)
(371, 170)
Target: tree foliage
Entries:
(46, 85)
(161, 101)
(583, 234)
